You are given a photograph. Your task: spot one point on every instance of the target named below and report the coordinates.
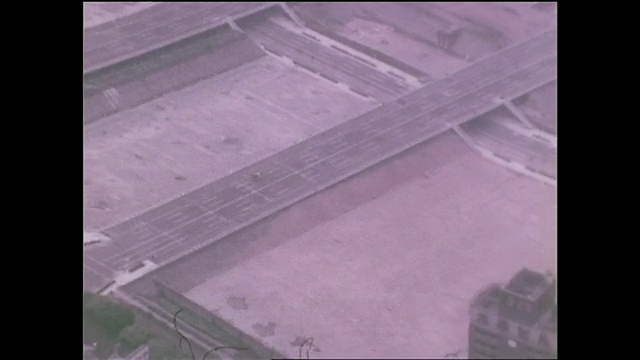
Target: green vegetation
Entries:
(199, 323)
(162, 350)
(116, 326)
(111, 316)
(204, 326)
(132, 337)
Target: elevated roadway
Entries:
(199, 218)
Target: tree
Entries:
(110, 316)
(163, 350)
(132, 337)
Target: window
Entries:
(483, 319)
(523, 333)
(481, 331)
(503, 325)
(485, 345)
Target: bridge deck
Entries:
(157, 26)
(214, 211)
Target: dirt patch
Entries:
(232, 142)
(265, 330)
(238, 303)
(100, 205)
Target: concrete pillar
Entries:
(291, 14)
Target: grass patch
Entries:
(120, 328)
(201, 324)
(94, 334)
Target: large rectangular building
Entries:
(516, 321)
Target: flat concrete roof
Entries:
(383, 265)
(528, 283)
(154, 27)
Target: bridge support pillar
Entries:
(291, 14)
(233, 25)
(517, 113)
(467, 139)
(525, 120)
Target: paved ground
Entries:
(216, 210)
(382, 265)
(153, 27)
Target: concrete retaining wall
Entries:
(172, 68)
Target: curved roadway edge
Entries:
(229, 204)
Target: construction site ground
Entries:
(140, 158)
(381, 265)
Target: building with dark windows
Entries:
(516, 321)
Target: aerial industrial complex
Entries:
(326, 180)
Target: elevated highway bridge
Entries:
(210, 213)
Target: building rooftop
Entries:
(525, 283)
(528, 283)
